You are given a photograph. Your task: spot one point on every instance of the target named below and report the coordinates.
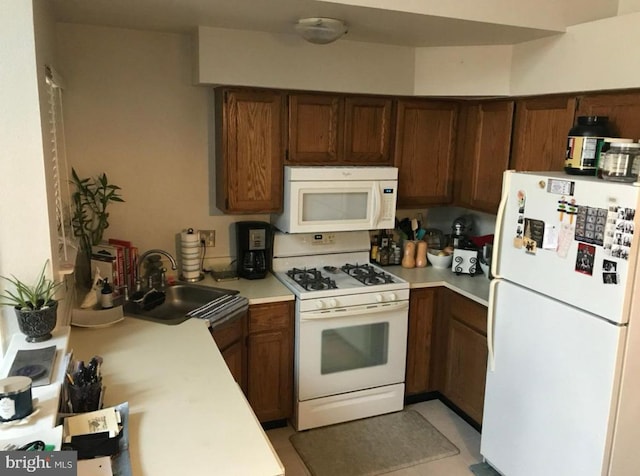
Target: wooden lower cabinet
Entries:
(422, 310)
(230, 339)
(466, 354)
(270, 360)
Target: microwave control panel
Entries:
(388, 203)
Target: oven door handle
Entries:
(354, 311)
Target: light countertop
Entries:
(257, 291)
(186, 411)
(475, 288)
(269, 289)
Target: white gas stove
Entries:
(320, 265)
(351, 327)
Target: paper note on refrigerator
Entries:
(550, 238)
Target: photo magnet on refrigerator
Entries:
(585, 258)
(518, 242)
(609, 274)
(533, 235)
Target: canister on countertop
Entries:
(583, 143)
(15, 398)
(622, 162)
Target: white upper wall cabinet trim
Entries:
(541, 14)
(590, 56)
(463, 71)
(249, 58)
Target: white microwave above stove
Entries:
(325, 199)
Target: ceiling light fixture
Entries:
(321, 30)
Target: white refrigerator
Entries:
(563, 390)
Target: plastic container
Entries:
(605, 146)
(622, 162)
(584, 141)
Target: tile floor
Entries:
(466, 438)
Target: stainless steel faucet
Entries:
(144, 256)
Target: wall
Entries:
(25, 242)
(628, 6)
(132, 112)
(463, 71)
(245, 58)
(590, 56)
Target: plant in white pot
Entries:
(35, 306)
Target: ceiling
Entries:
(410, 27)
(399, 22)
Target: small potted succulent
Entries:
(35, 306)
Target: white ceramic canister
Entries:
(15, 398)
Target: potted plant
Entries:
(35, 306)
(90, 217)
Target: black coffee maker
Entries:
(254, 242)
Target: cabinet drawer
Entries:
(228, 333)
(267, 317)
(469, 312)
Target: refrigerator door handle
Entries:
(490, 322)
(495, 258)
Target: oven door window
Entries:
(355, 347)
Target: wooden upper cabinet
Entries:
(249, 150)
(484, 145)
(367, 130)
(424, 151)
(540, 132)
(314, 128)
(622, 108)
(331, 129)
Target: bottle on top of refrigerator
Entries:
(584, 143)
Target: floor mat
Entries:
(372, 446)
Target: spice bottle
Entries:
(106, 295)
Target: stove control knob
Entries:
(333, 302)
(379, 297)
(320, 304)
(392, 297)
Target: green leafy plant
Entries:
(26, 297)
(90, 201)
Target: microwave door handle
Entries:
(377, 200)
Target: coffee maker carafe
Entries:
(254, 247)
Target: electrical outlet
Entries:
(208, 237)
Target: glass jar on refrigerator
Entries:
(622, 162)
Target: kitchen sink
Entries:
(177, 302)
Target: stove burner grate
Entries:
(367, 274)
(311, 279)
